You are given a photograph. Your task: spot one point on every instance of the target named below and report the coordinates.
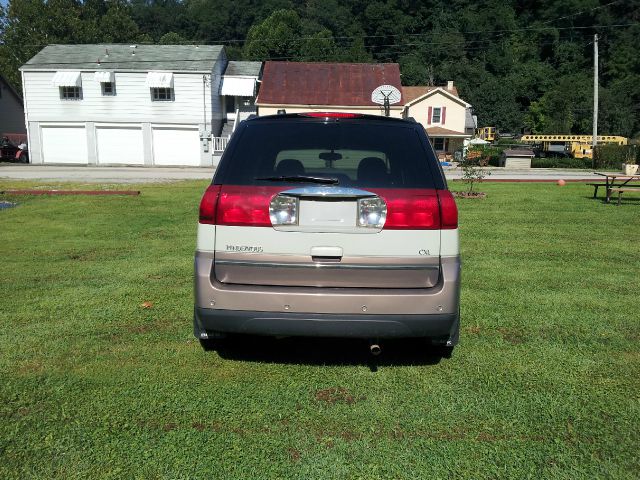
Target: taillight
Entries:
(332, 115)
(208, 205)
(246, 206)
(410, 209)
(448, 210)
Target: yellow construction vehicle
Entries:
(490, 134)
(578, 146)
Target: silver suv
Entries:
(328, 224)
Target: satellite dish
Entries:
(386, 95)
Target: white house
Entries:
(239, 89)
(444, 115)
(124, 104)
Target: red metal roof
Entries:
(304, 83)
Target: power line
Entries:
(581, 12)
(493, 32)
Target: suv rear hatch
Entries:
(329, 202)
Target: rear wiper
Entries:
(301, 179)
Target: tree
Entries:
(117, 25)
(275, 38)
(172, 38)
(284, 36)
(317, 47)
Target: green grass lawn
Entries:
(544, 384)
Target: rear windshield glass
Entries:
(353, 154)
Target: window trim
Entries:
(156, 97)
(433, 115)
(65, 91)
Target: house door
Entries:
(230, 107)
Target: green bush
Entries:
(613, 156)
(568, 162)
(488, 155)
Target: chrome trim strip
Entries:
(327, 192)
(336, 266)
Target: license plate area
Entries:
(328, 215)
(332, 213)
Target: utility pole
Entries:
(595, 99)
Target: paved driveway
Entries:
(168, 174)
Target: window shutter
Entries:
(444, 114)
(429, 116)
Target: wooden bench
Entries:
(604, 185)
(621, 190)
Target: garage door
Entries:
(120, 145)
(176, 146)
(64, 144)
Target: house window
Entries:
(108, 89)
(162, 94)
(439, 144)
(437, 115)
(71, 93)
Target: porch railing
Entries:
(220, 143)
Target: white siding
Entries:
(132, 102)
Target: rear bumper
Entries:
(321, 311)
(441, 327)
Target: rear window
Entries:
(357, 154)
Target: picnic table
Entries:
(617, 182)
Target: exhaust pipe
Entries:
(375, 349)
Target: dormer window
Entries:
(108, 89)
(71, 93)
(161, 86)
(107, 80)
(162, 94)
(69, 84)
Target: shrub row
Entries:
(566, 162)
(613, 156)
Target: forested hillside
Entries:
(520, 64)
